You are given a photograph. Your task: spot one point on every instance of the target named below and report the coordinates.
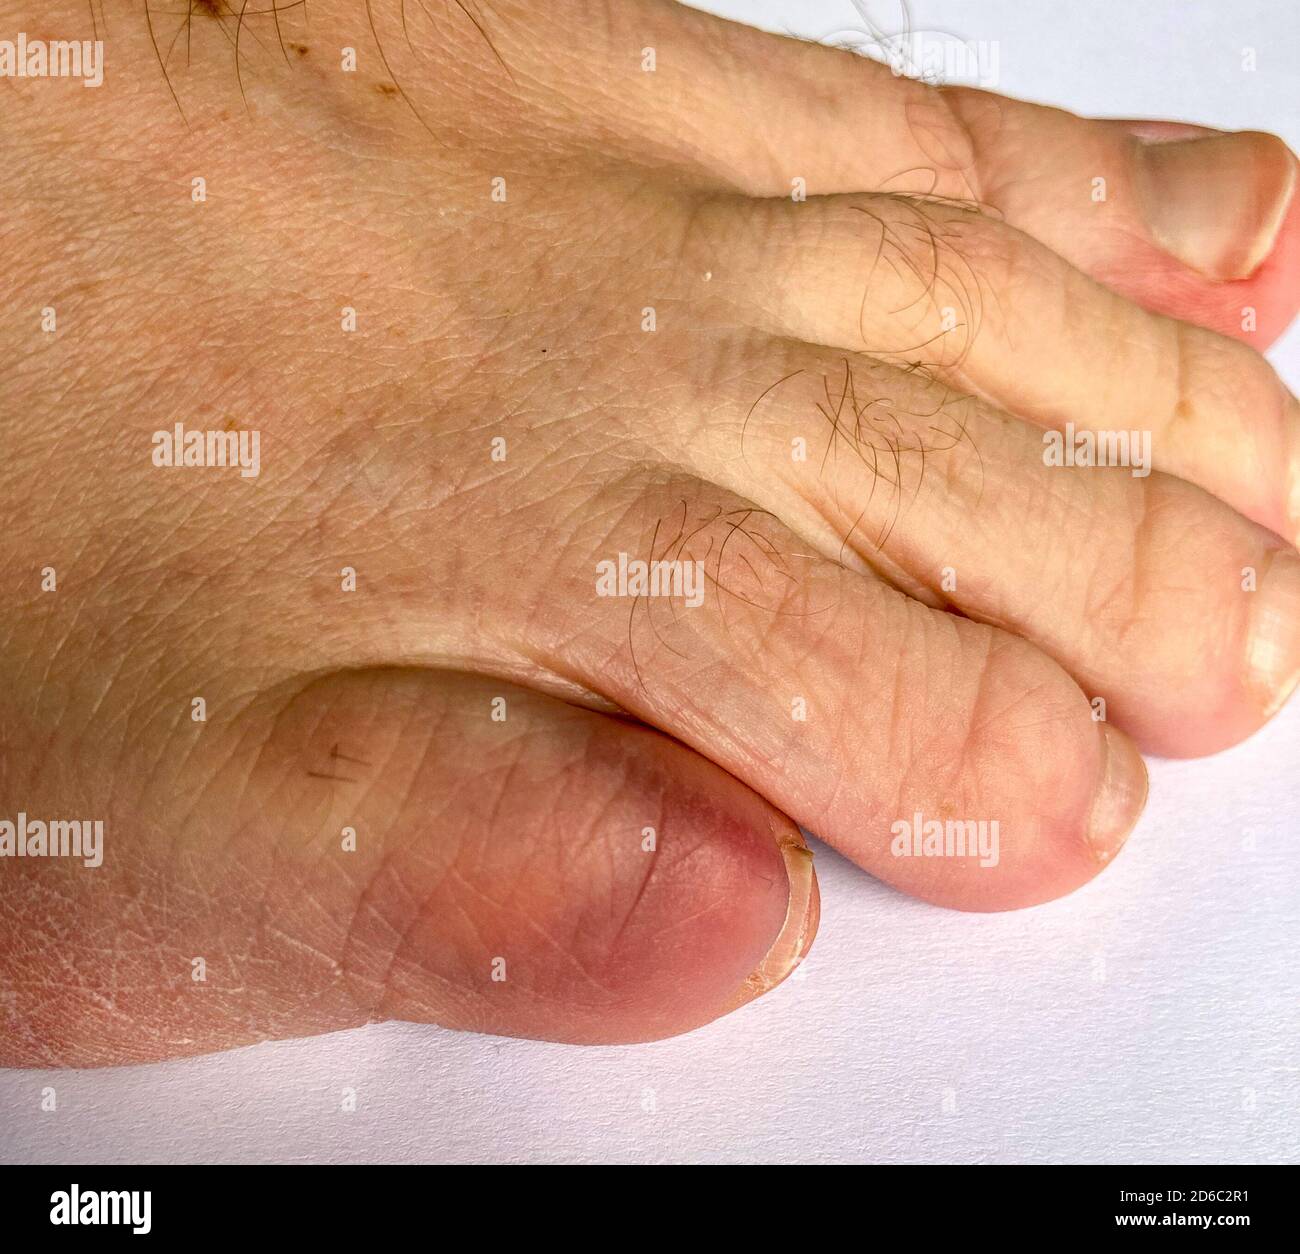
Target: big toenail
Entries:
(1273, 649)
(1216, 203)
(1120, 797)
(802, 915)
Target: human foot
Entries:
(389, 728)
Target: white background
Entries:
(1152, 1016)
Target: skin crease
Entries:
(576, 817)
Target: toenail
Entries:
(801, 916)
(1273, 648)
(1294, 503)
(1216, 203)
(1121, 795)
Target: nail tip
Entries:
(803, 914)
(1273, 644)
(1114, 815)
(1283, 696)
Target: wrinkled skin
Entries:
(431, 773)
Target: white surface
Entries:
(1151, 1017)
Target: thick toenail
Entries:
(1216, 203)
(1120, 797)
(802, 915)
(1273, 649)
(1294, 503)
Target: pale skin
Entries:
(576, 816)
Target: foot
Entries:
(390, 719)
